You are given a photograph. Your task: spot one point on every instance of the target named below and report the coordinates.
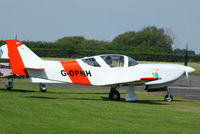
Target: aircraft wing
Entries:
(139, 81)
(144, 80)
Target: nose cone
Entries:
(189, 69)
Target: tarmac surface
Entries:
(189, 89)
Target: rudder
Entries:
(21, 58)
(16, 62)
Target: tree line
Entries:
(148, 44)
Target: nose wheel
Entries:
(114, 94)
(168, 97)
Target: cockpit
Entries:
(111, 60)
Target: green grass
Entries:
(25, 110)
(58, 59)
(17, 79)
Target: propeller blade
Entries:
(186, 73)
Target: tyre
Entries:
(43, 87)
(114, 95)
(43, 90)
(9, 84)
(166, 98)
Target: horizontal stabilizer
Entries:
(5, 70)
(39, 69)
(38, 80)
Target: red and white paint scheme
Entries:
(112, 70)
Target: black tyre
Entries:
(43, 90)
(166, 98)
(9, 85)
(114, 95)
(43, 87)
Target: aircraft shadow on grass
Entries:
(42, 97)
(18, 90)
(151, 102)
(48, 92)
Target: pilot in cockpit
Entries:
(108, 60)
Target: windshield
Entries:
(91, 62)
(132, 62)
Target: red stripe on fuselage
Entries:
(76, 79)
(149, 78)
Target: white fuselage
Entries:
(106, 75)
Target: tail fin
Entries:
(21, 57)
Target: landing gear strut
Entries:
(114, 94)
(168, 97)
(9, 84)
(43, 87)
(131, 96)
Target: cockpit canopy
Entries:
(132, 62)
(91, 61)
(113, 60)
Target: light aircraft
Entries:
(112, 70)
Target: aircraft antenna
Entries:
(186, 55)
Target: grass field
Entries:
(25, 110)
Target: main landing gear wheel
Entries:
(43, 87)
(9, 84)
(114, 94)
(168, 97)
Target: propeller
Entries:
(187, 71)
(186, 74)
